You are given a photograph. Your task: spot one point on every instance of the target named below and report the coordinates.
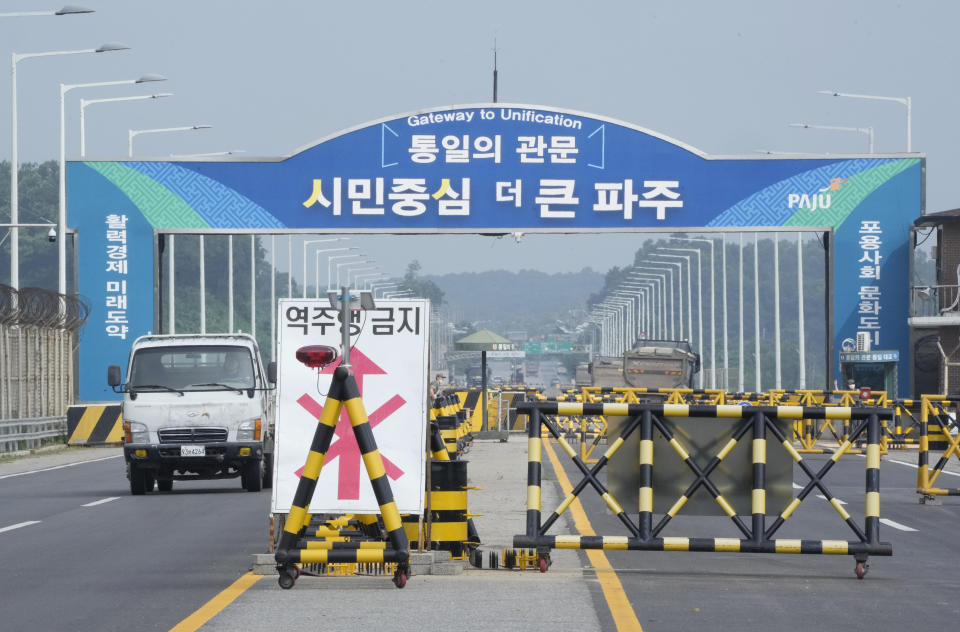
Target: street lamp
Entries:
(839, 128)
(699, 303)
(67, 10)
(62, 221)
(136, 132)
(368, 278)
(330, 264)
(658, 266)
(305, 244)
(83, 115)
(679, 289)
(14, 158)
(351, 269)
(903, 100)
(713, 311)
(316, 263)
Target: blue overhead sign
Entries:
(486, 168)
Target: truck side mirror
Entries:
(272, 372)
(113, 375)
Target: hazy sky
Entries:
(272, 77)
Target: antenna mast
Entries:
(494, 70)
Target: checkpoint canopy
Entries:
(491, 168)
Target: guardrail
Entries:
(28, 434)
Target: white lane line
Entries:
(915, 466)
(60, 467)
(842, 502)
(896, 525)
(101, 501)
(19, 525)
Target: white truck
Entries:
(196, 407)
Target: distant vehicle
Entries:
(555, 382)
(498, 380)
(660, 364)
(649, 364)
(196, 407)
(475, 376)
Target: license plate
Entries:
(193, 450)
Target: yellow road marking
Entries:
(621, 610)
(213, 607)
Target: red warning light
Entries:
(865, 393)
(316, 356)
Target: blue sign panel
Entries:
(485, 168)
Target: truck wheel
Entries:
(138, 480)
(268, 470)
(252, 476)
(149, 480)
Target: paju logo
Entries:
(819, 200)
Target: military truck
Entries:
(649, 364)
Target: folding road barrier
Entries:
(290, 551)
(935, 420)
(757, 536)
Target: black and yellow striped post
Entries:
(343, 392)
(759, 493)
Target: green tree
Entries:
(420, 286)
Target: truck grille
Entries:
(192, 435)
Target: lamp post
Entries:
(351, 270)
(14, 158)
(330, 265)
(67, 10)
(659, 276)
(382, 287)
(713, 312)
(840, 128)
(316, 262)
(131, 134)
(83, 114)
(679, 290)
(305, 244)
(62, 221)
(368, 278)
(630, 325)
(905, 101)
(686, 259)
(669, 305)
(697, 252)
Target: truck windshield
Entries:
(193, 368)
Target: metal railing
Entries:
(29, 434)
(934, 300)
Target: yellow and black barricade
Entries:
(343, 393)
(755, 421)
(94, 424)
(936, 422)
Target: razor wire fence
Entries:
(38, 334)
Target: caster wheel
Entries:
(861, 569)
(286, 580)
(400, 580)
(543, 565)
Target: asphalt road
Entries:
(80, 553)
(917, 586)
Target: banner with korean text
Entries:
(487, 168)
